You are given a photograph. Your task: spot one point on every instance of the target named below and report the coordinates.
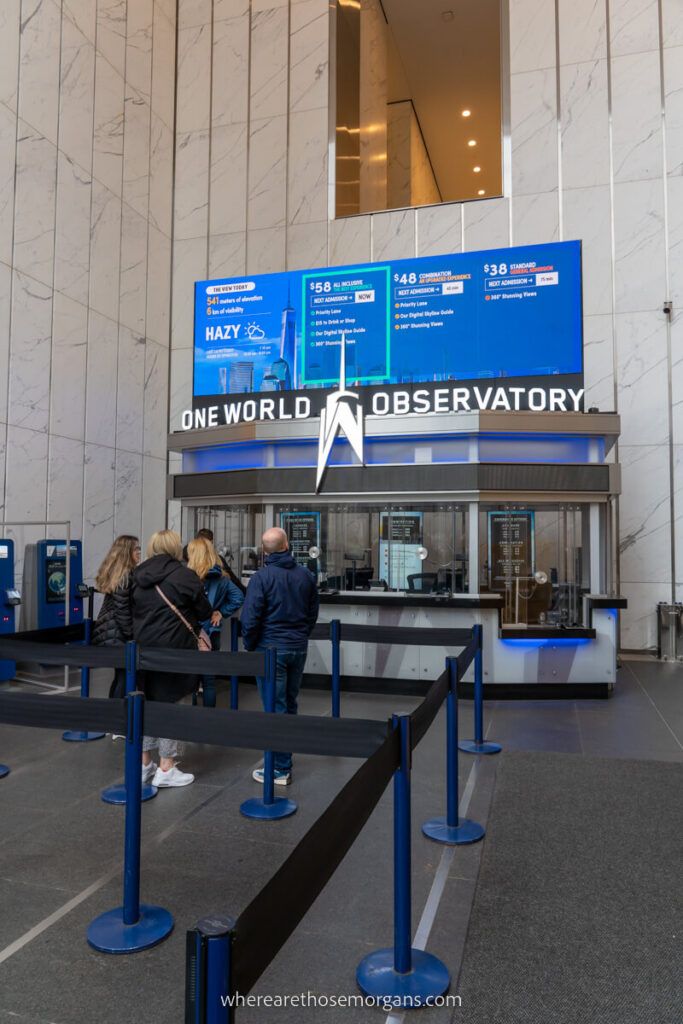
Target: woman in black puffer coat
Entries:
(114, 625)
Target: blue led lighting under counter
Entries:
(547, 641)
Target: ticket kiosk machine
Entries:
(9, 599)
(45, 579)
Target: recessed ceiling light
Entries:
(466, 113)
(447, 15)
(476, 169)
(481, 192)
(471, 142)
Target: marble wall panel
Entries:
(111, 32)
(72, 230)
(228, 207)
(598, 363)
(136, 153)
(191, 197)
(639, 245)
(160, 211)
(677, 381)
(26, 474)
(133, 272)
(181, 386)
(105, 251)
(8, 138)
(393, 235)
(189, 265)
(100, 396)
(639, 620)
(83, 14)
(350, 240)
(636, 117)
(107, 158)
(5, 315)
(672, 23)
(193, 79)
(532, 35)
(194, 12)
(155, 403)
(536, 218)
(439, 229)
(587, 216)
(307, 245)
(98, 506)
(230, 84)
(139, 23)
(266, 250)
(68, 367)
(585, 117)
(307, 185)
(309, 55)
(486, 224)
(34, 204)
(163, 66)
(582, 30)
(268, 61)
(642, 377)
(130, 389)
(65, 482)
(29, 369)
(634, 26)
(10, 20)
(673, 101)
(228, 255)
(533, 99)
(76, 95)
(153, 496)
(675, 195)
(158, 311)
(128, 494)
(267, 173)
(678, 512)
(39, 66)
(644, 514)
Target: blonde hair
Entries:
(117, 565)
(202, 556)
(165, 542)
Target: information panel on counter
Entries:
(303, 532)
(511, 543)
(466, 316)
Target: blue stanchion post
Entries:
(452, 829)
(208, 974)
(403, 974)
(269, 806)
(74, 735)
(335, 637)
(478, 745)
(234, 680)
(134, 926)
(118, 794)
(4, 770)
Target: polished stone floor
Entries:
(61, 852)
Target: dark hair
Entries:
(205, 532)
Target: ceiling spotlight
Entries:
(466, 113)
(476, 169)
(481, 192)
(471, 142)
(447, 15)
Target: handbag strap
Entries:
(176, 611)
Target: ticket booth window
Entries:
(538, 558)
(419, 104)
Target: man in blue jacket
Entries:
(279, 611)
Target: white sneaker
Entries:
(148, 771)
(117, 736)
(173, 777)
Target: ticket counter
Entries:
(502, 518)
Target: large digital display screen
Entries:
(501, 313)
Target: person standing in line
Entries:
(279, 612)
(223, 596)
(168, 604)
(207, 534)
(114, 624)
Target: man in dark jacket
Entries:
(279, 612)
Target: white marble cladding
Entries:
(589, 160)
(87, 94)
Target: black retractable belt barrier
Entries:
(48, 712)
(55, 634)
(224, 663)
(425, 713)
(415, 636)
(302, 734)
(321, 631)
(266, 924)
(58, 654)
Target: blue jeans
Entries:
(290, 670)
(209, 682)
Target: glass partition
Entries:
(538, 558)
(237, 532)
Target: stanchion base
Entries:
(466, 831)
(82, 737)
(472, 747)
(117, 794)
(108, 934)
(4, 770)
(281, 807)
(377, 977)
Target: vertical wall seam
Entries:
(558, 99)
(209, 189)
(610, 134)
(172, 268)
(288, 126)
(248, 140)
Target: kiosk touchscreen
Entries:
(9, 599)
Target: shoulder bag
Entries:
(202, 638)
